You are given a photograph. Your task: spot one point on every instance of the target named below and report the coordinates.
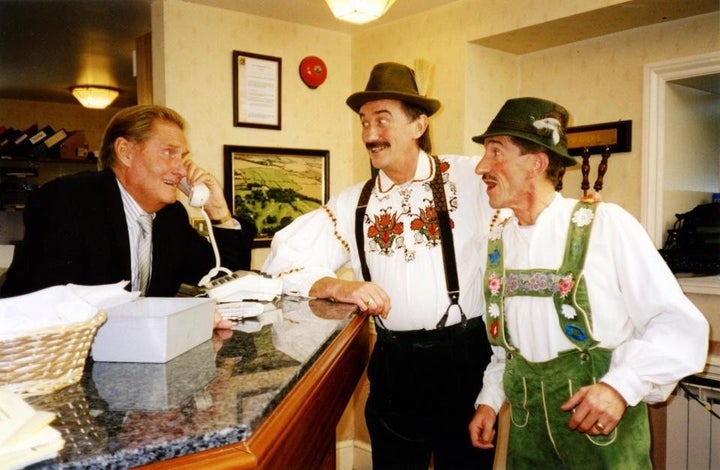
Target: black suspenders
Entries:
(359, 232)
(446, 239)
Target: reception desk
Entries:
(268, 394)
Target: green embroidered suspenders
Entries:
(566, 285)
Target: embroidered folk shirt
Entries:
(638, 309)
(402, 243)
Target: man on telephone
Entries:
(85, 228)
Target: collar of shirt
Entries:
(132, 208)
(423, 172)
(548, 213)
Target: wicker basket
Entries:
(47, 359)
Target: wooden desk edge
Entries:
(301, 429)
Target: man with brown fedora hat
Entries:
(586, 320)
(410, 235)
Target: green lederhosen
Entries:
(539, 436)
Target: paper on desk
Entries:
(105, 296)
(57, 305)
(46, 445)
(25, 434)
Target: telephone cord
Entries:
(217, 269)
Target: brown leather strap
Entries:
(447, 243)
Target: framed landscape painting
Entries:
(273, 186)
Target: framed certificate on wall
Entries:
(256, 90)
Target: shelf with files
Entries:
(19, 177)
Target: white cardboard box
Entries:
(153, 329)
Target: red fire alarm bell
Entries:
(313, 71)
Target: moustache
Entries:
(376, 144)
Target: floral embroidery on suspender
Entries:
(574, 310)
(539, 282)
(565, 285)
(494, 286)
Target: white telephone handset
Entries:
(197, 195)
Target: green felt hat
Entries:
(534, 119)
(392, 81)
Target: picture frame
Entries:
(257, 90)
(273, 186)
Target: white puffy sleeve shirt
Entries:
(638, 309)
(402, 249)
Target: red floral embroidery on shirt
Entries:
(427, 224)
(385, 229)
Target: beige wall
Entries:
(197, 43)
(601, 80)
(598, 80)
(192, 48)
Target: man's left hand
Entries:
(597, 409)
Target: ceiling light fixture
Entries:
(95, 97)
(359, 11)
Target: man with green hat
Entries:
(411, 236)
(587, 322)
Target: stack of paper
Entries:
(25, 434)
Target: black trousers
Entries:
(423, 386)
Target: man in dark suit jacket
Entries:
(77, 227)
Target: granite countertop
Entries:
(122, 415)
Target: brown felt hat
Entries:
(534, 119)
(392, 81)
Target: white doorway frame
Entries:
(656, 76)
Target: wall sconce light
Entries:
(359, 11)
(95, 97)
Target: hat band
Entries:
(514, 125)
